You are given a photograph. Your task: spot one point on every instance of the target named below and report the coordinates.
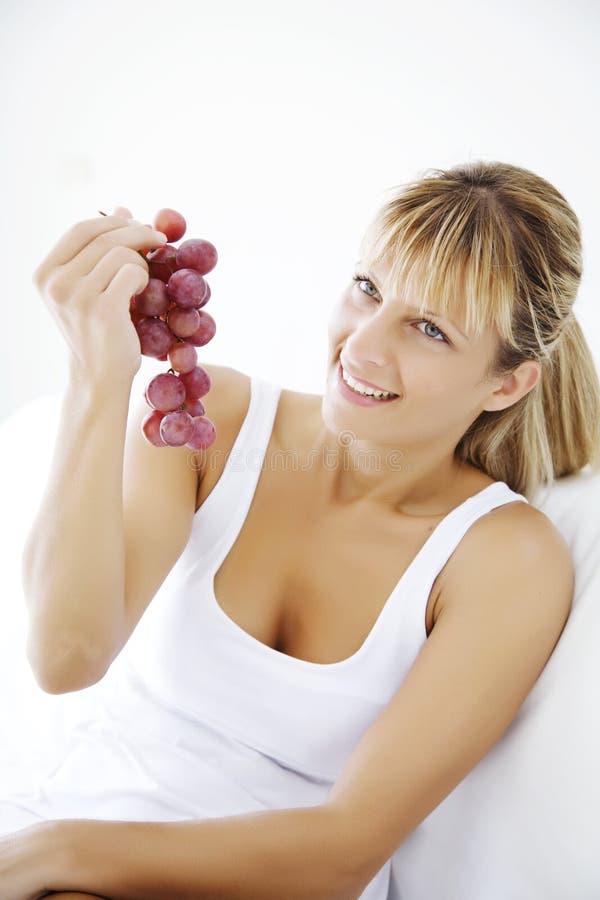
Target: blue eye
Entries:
(433, 325)
(362, 279)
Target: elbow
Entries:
(356, 864)
(52, 683)
(351, 886)
(347, 893)
(64, 667)
(346, 890)
(351, 872)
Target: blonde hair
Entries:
(503, 244)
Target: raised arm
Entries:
(73, 560)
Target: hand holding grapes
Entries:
(86, 281)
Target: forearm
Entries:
(296, 854)
(73, 561)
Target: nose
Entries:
(369, 346)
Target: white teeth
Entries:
(361, 388)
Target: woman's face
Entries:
(435, 370)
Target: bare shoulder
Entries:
(227, 383)
(513, 543)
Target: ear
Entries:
(514, 386)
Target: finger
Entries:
(123, 212)
(129, 279)
(73, 242)
(136, 237)
(99, 279)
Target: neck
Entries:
(413, 483)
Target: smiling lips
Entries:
(362, 382)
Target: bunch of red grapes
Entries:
(170, 324)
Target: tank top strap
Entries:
(438, 548)
(453, 527)
(217, 517)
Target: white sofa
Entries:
(523, 825)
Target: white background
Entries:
(275, 128)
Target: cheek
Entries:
(340, 322)
(450, 387)
(429, 374)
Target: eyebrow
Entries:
(429, 312)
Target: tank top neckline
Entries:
(258, 388)
(285, 658)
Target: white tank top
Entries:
(199, 719)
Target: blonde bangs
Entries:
(449, 252)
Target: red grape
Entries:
(154, 300)
(170, 223)
(187, 288)
(206, 330)
(156, 338)
(166, 392)
(159, 270)
(133, 312)
(203, 434)
(170, 324)
(197, 383)
(195, 407)
(183, 322)
(162, 262)
(151, 428)
(197, 254)
(183, 356)
(176, 428)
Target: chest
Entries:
(312, 584)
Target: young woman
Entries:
(341, 638)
